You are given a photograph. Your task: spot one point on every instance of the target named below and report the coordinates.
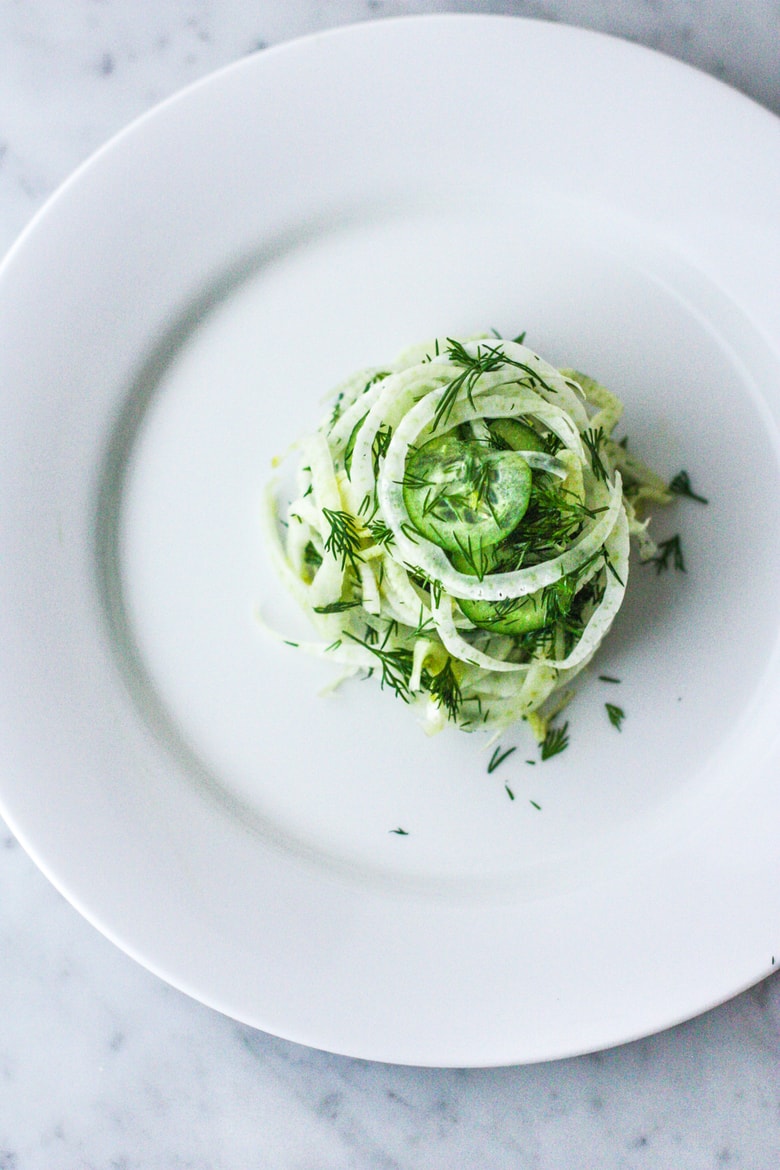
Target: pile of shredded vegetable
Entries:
(459, 528)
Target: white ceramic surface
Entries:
(169, 327)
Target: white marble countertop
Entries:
(101, 1064)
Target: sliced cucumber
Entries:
(517, 435)
(514, 615)
(464, 495)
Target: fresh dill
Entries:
(425, 624)
(336, 606)
(396, 666)
(681, 486)
(432, 584)
(344, 540)
(668, 550)
(611, 568)
(498, 757)
(444, 689)
(538, 807)
(616, 715)
(379, 446)
(381, 532)
(365, 504)
(410, 532)
(608, 678)
(473, 554)
(555, 516)
(487, 360)
(509, 792)
(350, 447)
(399, 832)
(593, 440)
(556, 740)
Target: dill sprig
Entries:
(668, 550)
(498, 757)
(487, 360)
(380, 532)
(556, 740)
(344, 539)
(616, 715)
(593, 439)
(554, 518)
(476, 557)
(336, 607)
(422, 579)
(380, 444)
(396, 666)
(349, 449)
(681, 486)
(444, 689)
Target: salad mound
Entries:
(460, 527)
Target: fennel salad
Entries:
(459, 528)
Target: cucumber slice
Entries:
(514, 615)
(462, 494)
(517, 436)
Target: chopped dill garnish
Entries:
(350, 447)
(399, 832)
(556, 740)
(498, 757)
(396, 666)
(410, 532)
(344, 539)
(593, 441)
(608, 678)
(336, 606)
(444, 689)
(536, 806)
(294, 644)
(381, 532)
(531, 762)
(681, 486)
(616, 715)
(380, 444)
(365, 504)
(611, 568)
(487, 360)
(668, 549)
(554, 517)
(421, 578)
(509, 792)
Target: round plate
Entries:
(172, 320)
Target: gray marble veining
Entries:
(103, 1067)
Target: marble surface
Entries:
(102, 1066)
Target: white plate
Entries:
(172, 320)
